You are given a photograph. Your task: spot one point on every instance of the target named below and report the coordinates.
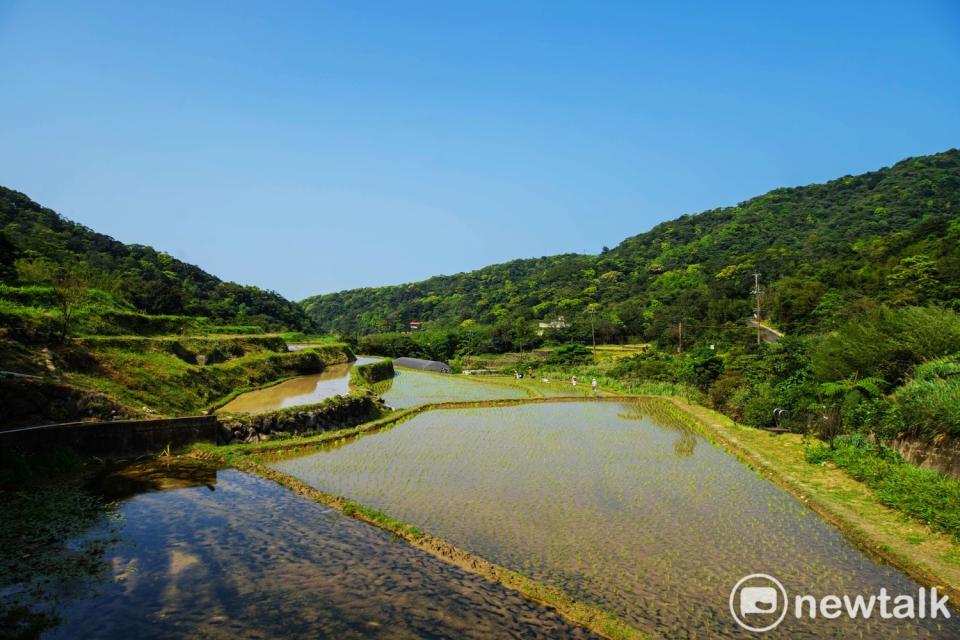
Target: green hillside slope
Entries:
(823, 251)
(35, 240)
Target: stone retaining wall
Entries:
(372, 372)
(940, 454)
(31, 401)
(333, 413)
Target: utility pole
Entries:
(593, 332)
(757, 292)
(680, 334)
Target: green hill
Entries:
(133, 279)
(825, 252)
(104, 329)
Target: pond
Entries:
(618, 509)
(333, 381)
(410, 388)
(196, 552)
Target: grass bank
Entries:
(170, 385)
(367, 375)
(924, 494)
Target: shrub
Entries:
(699, 368)
(568, 354)
(391, 345)
(649, 365)
(723, 390)
(930, 403)
(887, 344)
(758, 404)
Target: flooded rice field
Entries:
(221, 554)
(650, 521)
(407, 389)
(410, 388)
(333, 381)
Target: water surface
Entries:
(410, 388)
(650, 521)
(222, 554)
(333, 381)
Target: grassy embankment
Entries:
(559, 375)
(368, 375)
(32, 312)
(150, 372)
(308, 338)
(149, 364)
(923, 494)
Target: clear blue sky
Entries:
(308, 147)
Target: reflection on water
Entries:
(648, 520)
(410, 388)
(333, 381)
(156, 475)
(222, 554)
(300, 346)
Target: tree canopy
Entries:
(825, 252)
(35, 241)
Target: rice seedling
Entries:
(623, 505)
(411, 388)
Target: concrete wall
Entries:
(941, 454)
(112, 439)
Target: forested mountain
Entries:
(153, 282)
(824, 252)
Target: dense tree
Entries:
(825, 252)
(33, 238)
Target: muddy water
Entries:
(221, 554)
(298, 391)
(650, 521)
(410, 388)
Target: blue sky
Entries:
(312, 147)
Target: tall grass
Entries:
(930, 403)
(887, 344)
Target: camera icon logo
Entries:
(758, 602)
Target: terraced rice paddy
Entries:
(222, 554)
(410, 388)
(301, 390)
(648, 520)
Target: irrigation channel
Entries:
(616, 507)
